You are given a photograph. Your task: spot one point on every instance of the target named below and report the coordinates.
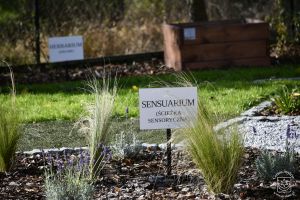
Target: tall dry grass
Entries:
(97, 123)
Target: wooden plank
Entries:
(224, 51)
(259, 61)
(207, 23)
(229, 33)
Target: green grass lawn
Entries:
(226, 92)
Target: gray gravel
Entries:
(266, 132)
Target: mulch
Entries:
(142, 177)
(58, 74)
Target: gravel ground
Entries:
(266, 132)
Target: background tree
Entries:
(198, 11)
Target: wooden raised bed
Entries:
(216, 44)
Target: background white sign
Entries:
(65, 48)
(164, 108)
(189, 33)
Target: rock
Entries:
(66, 150)
(150, 147)
(261, 185)
(124, 169)
(185, 190)
(13, 184)
(257, 109)
(78, 149)
(274, 185)
(33, 152)
(29, 184)
(223, 196)
(246, 155)
(190, 195)
(52, 151)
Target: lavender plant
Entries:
(268, 164)
(68, 178)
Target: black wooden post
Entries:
(37, 31)
(169, 153)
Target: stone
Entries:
(29, 184)
(142, 197)
(13, 184)
(124, 169)
(33, 152)
(185, 190)
(190, 195)
(51, 151)
(66, 150)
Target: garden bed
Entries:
(140, 177)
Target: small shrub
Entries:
(288, 101)
(70, 180)
(126, 143)
(268, 164)
(218, 158)
(99, 121)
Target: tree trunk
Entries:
(198, 11)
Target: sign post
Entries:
(169, 153)
(167, 108)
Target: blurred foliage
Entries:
(285, 21)
(112, 27)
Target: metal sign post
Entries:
(169, 153)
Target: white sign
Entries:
(189, 33)
(167, 108)
(65, 48)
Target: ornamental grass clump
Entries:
(10, 133)
(9, 136)
(217, 155)
(97, 124)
